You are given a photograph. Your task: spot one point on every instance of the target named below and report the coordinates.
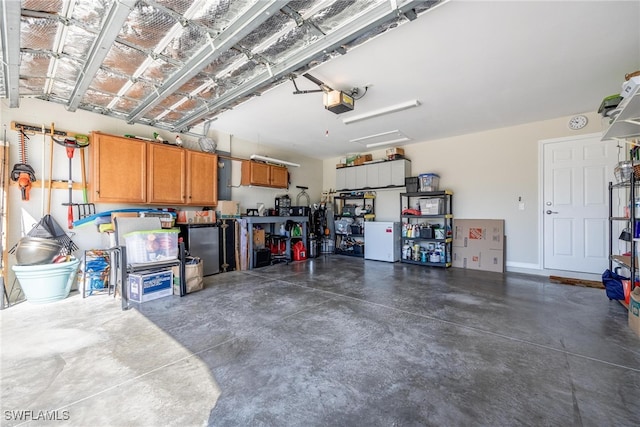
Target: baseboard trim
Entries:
(518, 267)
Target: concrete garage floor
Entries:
(334, 341)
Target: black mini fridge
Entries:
(202, 241)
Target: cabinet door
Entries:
(350, 178)
(254, 173)
(167, 171)
(373, 175)
(384, 174)
(279, 177)
(202, 179)
(399, 170)
(118, 169)
(341, 179)
(361, 176)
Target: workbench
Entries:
(272, 222)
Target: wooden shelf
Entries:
(56, 185)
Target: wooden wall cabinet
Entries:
(279, 177)
(166, 167)
(132, 171)
(118, 169)
(202, 178)
(264, 175)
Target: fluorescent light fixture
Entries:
(382, 111)
(272, 160)
(374, 136)
(392, 141)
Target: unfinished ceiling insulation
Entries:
(175, 64)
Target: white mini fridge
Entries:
(382, 241)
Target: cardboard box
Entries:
(148, 286)
(228, 208)
(363, 158)
(479, 233)
(196, 217)
(478, 259)
(634, 310)
(395, 151)
(259, 239)
(478, 244)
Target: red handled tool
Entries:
(22, 172)
(70, 144)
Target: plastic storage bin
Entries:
(151, 245)
(412, 184)
(429, 181)
(431, 206)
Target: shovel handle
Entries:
(84, 178)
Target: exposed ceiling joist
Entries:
(175, 64)
(244, 25)
(350, 30)
(10, 19)
(116, 18)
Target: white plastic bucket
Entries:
(46, 283)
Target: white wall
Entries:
(36, 112)
(488, 172)
(307, 175)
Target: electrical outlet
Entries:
(521, 206)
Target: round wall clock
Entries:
(578, 122)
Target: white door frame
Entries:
(541, 145)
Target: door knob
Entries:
(549, 212)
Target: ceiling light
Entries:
(382, 111)
(272, 160)
(392, 141)
(377, 135)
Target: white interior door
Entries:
(576, 175)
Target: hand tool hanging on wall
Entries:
(22, 172)
(50, 180)
(85, 208)
(48, 227)
(70, 144)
